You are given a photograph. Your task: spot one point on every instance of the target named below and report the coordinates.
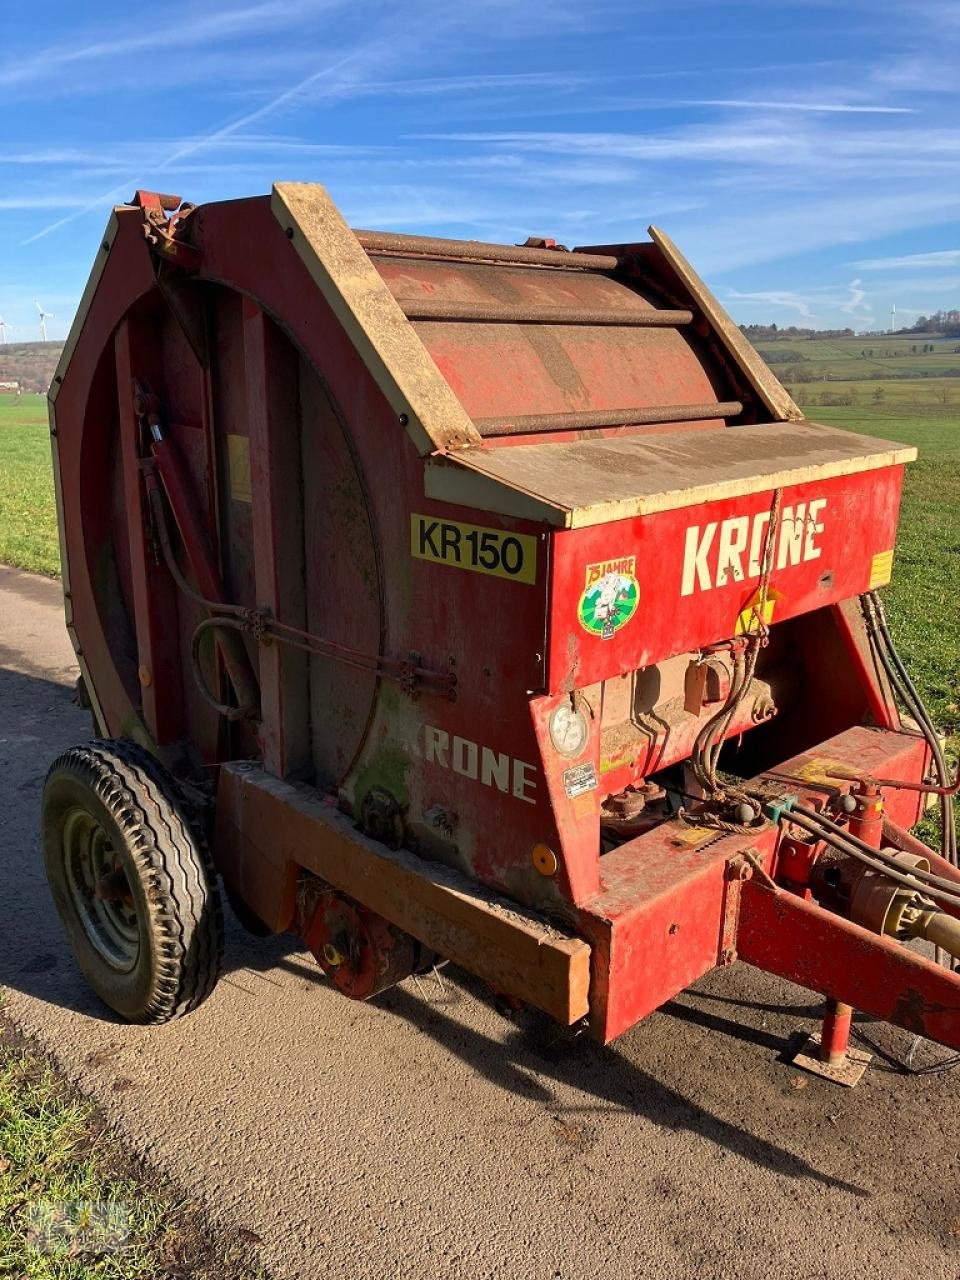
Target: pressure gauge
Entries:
(568, 730)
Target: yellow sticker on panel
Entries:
(471, 546)
(238, 460)
(881, 569)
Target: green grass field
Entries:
(872, 357)
(923, 600)
(28, 521)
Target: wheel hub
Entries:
(100, 889)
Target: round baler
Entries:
(475, 602)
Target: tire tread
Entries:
(173, 862)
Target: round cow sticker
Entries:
(610, 597)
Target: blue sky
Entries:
(804, 155)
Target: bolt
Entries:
(403, 419)
(674, 928)
(288, 232)
(848, 803)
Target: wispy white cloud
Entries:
(774, 298)
(359, 66)
(855, 301)
(811, 305)
(429, 86)
(329, 73)
(937, 261)
(188, 31)
(782, 104)
(686, 144)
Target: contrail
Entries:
(197, 144)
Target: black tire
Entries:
(132, 882)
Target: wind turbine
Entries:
(44, 317)
(3, 329)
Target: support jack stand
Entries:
(827, 1052)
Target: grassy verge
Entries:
(74, 1205)
(28, 520)
(923, 600)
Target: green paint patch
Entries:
(387, 769)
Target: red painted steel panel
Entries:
(697, 568)
(86, 413)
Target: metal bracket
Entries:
(162, 215)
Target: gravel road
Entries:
(424, 1135)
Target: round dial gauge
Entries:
(568, 730)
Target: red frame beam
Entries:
(785, 935)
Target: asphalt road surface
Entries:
(424, 1135)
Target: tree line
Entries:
(944, 323)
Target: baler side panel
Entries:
(696, 570)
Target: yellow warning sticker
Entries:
(750, 617)
(820, 769)
(471, 546)
(238, 461)
(881, 569)
(692, 836)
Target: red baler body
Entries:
(455, 489)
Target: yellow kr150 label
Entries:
(471, 546)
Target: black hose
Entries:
(833, 828)
(899, 676)
(228, 712)
(874, 861)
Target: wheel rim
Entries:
(100, 892)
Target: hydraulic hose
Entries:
(893, 665)
(875, 861)
(832, 828)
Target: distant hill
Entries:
(32, 364)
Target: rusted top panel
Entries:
(460, 335)
(510, 370)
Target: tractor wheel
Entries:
(132, 882)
